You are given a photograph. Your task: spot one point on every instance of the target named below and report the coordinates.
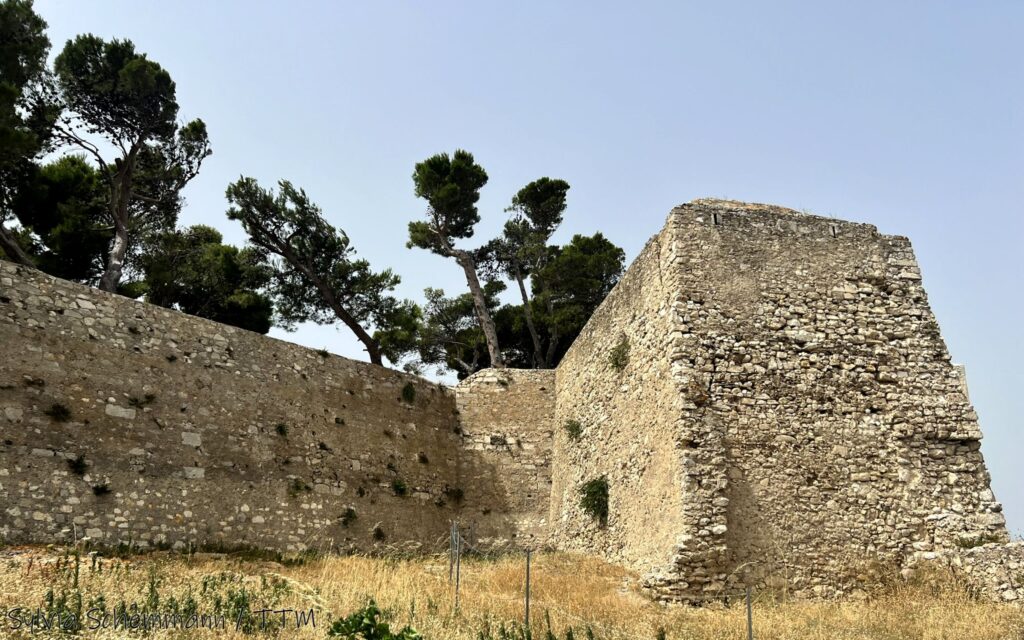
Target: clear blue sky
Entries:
(906, 115)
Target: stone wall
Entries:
(995, 570)
(209, 435)
(507, 421)
(780, 410)
(788, 404)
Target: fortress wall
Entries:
(507, 419)
(787, 414)
(848, 436)
(179, 417)
(629, 419)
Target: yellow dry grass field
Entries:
(594, 599)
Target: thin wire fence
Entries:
(457, 545)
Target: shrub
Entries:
(281, 429)
(422, 457)
(172, 358)
(58, 412)
(323, 353)
(100, 489)
(78, 466)
(618, 357)
(455, 494)
(378, 533)
(297, 486)
(399, 487)
(348, 516)
(138, 404)
(594, 499)
(573, 429)
(368, 624)
(408, 393)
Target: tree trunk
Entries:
(12, 249)
(539, 362)
(115, 261)
(120, 192)
(486, 323)
(372, 348)
(553, 337)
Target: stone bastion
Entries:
(781, 412)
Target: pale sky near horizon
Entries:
(905, 115)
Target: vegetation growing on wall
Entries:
(348, 516)
(298, 486)
(77, 465)
(408, 393)
(399, 487)
(618, 357)
(573, 429)
(594, 499)
(58, 412)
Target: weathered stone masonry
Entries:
(787, 414)
(789, 406)
(209, 435)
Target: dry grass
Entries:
(573, 591)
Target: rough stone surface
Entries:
(507, 423)
(206, 434)
(788, 412)
(997, 570)
(783, 410)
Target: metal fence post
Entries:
(528, 552)
(750, 618)
(458, 564)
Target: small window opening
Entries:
(715, 219)
(834, 229)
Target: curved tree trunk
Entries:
(372, 348)
(115, 261)
(120, 195)
(468, 265)
(13, 250)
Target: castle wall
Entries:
(630, 420)
(207, 434)
(660, 453)
(507, 419)
(849, 438)
(784, 413)
(788, 414)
